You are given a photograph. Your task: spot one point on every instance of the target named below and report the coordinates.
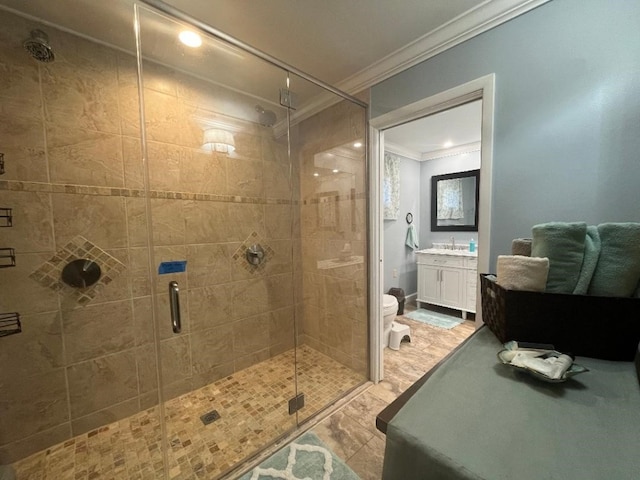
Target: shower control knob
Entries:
(255, 254)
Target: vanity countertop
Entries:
(444, 251)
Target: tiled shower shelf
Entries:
(340, 262)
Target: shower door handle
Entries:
(174, 304)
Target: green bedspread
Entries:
(478, 419)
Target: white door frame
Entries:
(480, 88)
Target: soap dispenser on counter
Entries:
(472, 246)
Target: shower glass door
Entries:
(78, 394)
(216, 205)
(329, 154)
(221, 209)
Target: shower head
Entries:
(266, 118)
(38, 46)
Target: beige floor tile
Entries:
(253, 409)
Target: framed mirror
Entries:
(454, 202)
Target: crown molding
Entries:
(421, 157)
(402, 151)
(484, 17)
(449, 152)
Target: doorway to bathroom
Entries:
(476, 100)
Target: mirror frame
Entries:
(453, 228)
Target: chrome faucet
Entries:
(453, 243)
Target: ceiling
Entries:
(329, 39)
(440, 132)
(351, 44)
(332, 40)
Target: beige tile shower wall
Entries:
(70, 132)
(333, 220)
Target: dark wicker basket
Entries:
(585, 325)
(638, 363)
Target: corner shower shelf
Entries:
(7, 257)
(6, 217)
(10, 324)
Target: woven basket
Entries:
(585, 325)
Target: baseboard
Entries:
(411, 298)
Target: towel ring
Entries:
(409, 218)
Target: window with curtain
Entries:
(391, 186)
(450, 206)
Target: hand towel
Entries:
(516, 272)
(521, 246)
(412, 238)
(618, 270)
(563, 244)
(591, 255)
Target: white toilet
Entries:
(389, 310)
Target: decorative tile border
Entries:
(49, 273)
(334, 198)
(17, 186)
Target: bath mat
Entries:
(434, 318)
(305, 458)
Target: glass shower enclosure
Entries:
(183, 246)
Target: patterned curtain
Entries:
(391, 186)
(450, 199)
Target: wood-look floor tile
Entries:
(402, 368)
(367, 462)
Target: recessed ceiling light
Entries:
(448, 144)
(190, 39)
(316, 174)
(335, 170)
(357, 144)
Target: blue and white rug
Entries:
(306, 458)
(434, 318)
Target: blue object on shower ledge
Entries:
(176, 266)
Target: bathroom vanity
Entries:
(448, 278)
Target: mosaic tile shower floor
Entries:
(253, 406)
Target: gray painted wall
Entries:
(396, 254)
(567, 112)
